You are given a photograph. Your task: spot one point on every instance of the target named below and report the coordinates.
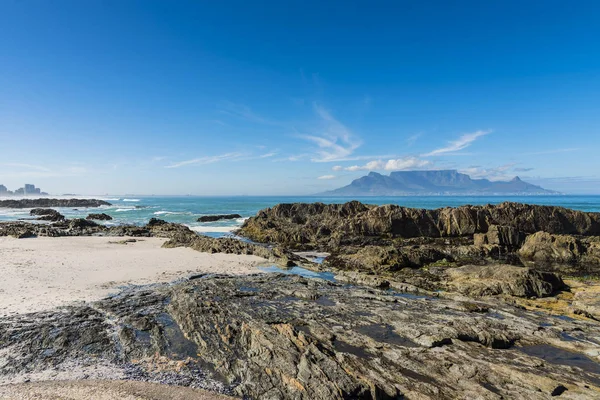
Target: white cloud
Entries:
(463, 142)
(501, 173)
(336, 142)
(398, 164)
(326, 177)
(206, 160)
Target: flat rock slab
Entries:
(287, 337)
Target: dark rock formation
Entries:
(47, 214)
(99, 217)
(565, 249)
(45, 203)
(490, 280)
(286, 337)
(213, 218)
(327, 227)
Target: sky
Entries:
(295, 97)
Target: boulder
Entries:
(47, 214)
(543, 246)
(505, 236)
(491, 280)
(80, 223)
(213, 218)
(99, 217)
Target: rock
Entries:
(99, 217)
(17, 230)
(318, 226)
(557, 391)
(286, 337)
(213, 218)
(505, 236)
(80, 223)
(47, 214)
(491, 280)
(45, 203)
(562, 249)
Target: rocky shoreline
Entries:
(467, 302)
(46, 203)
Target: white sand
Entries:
(42, 273)
(103, 390)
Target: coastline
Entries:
(422, 289)
(43, 273)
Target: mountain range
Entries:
(440, 182)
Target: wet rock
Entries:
(81, 224)
(557, 391)
(213, 218)
(45, 203)
(288, 337)
(490, 280)
(99, 217)
(47, 214)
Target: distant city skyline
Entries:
(26, 190)
(295, 98)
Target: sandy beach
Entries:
(103, 390)
(43, 273)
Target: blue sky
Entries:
(272, 97)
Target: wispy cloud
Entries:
(398, 164)
(30, 167)
(336, 142)
(553, 151)
(207, 160)
(456, 145)
(234, 156)
(524, 169)
(412, 139)
(23, 170)
(244, 112)
(503, 172)
(327, 177)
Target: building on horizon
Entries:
(26, 190)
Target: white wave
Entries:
(131, 200)
(241, 220)
(220, 229)
(125, 209)
(10, 212)
(112, 199)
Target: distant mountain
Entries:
(442, 182)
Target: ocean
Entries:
(186, 209)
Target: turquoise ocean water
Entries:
(186, 210)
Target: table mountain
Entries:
(449, 182)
